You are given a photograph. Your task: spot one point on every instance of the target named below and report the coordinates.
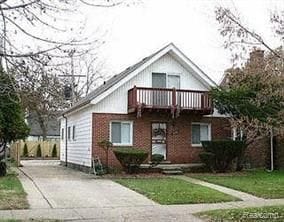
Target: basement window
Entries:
(121, 133)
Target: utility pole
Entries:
(72, 75)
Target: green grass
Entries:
(12, 194)
(257, 182)
(174, 191)
(258, 214)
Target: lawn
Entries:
(259, 214)
(257, 182)
(12, 194)
(174, 191)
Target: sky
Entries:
(132, 33)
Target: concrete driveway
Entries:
(50, 185)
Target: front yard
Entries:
(174, 191)
(257, 182)
(12, 194)
(259, 214)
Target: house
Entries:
(160, 104)
(36, 133)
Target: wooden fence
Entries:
(17, 149)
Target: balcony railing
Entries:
(162, 98)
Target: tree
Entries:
(38, 151)
(253, 94)
(240, 39)
(41, 93)
(12, 123)
(54, 151)
(253, 97)
(25, 151)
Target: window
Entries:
(74, 133)
(237, 133)
(62, 134)
(121, 133)
(200, 132)
(69, 132)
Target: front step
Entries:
(172, 172)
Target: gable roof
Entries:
(136, 68)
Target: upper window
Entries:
(74, 133)
(163, 80)
(121, 133)
(69, 132)
(200, 132)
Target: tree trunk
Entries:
(43, 126)
(3, 168)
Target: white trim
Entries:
(198, 73)
(131, 132)
(209, 132)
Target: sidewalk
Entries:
(241, 195)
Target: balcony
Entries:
(173, 100)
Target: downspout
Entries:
(65, 139)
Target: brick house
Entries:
(160, 104)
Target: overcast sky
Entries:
(136, 31)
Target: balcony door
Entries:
(160, 98)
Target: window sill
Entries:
(120, 144)
(196, 145)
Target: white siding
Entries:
(79, 151)
(116, 102)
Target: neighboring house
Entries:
(160, 104)
(35, 134)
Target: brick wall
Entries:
(179, 149)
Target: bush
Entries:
(208, 159)
(25, 151)
(157, 158)
(130, 158)
(54, 151)
(38, 151)
(218, 155)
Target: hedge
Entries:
(130, 158)
(218, 155)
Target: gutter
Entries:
(65, 139)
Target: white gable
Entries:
(116, 102)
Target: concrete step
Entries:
(172, 172)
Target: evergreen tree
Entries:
(12, 122)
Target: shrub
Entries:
(25, 151)
(130, 158)
(157, 158)
(218, 155)
(38, 151)
(208, 159)
(54, 151)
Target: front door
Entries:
(159, 139)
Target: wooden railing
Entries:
(162, 98)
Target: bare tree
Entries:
(41, 93)
(240, 39)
